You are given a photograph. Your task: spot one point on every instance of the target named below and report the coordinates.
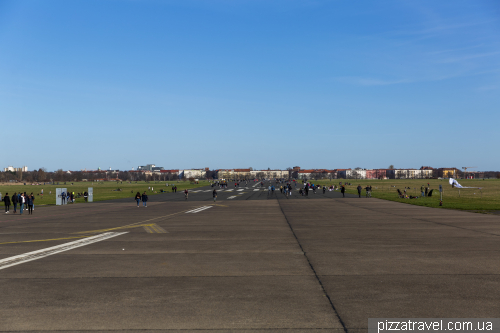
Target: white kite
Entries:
(454, 183)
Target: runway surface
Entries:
(254, 262)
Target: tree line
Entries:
(41, 175)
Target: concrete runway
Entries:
(252, 263)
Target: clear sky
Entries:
(234, 83)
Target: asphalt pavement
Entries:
(251, 261)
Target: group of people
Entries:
(368, 190)
(143, 197)
(286, 190)
(19, 198)
(70, 197)
(425, 190)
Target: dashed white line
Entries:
(231, 197)
(197, 210)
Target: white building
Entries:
(269, 174)
(12, 169)
(352, 174)
(192, 173)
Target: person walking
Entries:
(15, 200)
(144, 199)
(6, 202)
(359, 190)
(138, 198)
(422, 190)
(85, 196)
(186, 193)
(214, 194)
(342, 190)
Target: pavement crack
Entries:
(312, 268)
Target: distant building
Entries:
(12, 169)
(147, 167)
(447, 172)
(193, 173)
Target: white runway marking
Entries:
(231, 197)
(229, 190)
(39, 254)
(256, 189)
(197, 210)
(240, 190)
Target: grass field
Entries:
(485, 199)
(102, 190)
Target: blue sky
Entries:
(233, 84)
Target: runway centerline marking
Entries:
(39, 254)
(197, 210)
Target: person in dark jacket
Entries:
(29, 202)
(15, 201)
(144, 199)
(214, 194)
(6, 202)
(359, 190)
(138, 198)
(342, 190)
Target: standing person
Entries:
(63, 197)
(144, 199)
(342, 190)
(359, 190)
(324, 189)
(15, 200)
(186, 193)
(426, 191)
(6, 202)
(85, 196)
(32, 201)
(29, 201)
(138, 198)
(21, 203)
(214, 194)
(422, 190)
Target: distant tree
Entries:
(42, 175)
(391, 167)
